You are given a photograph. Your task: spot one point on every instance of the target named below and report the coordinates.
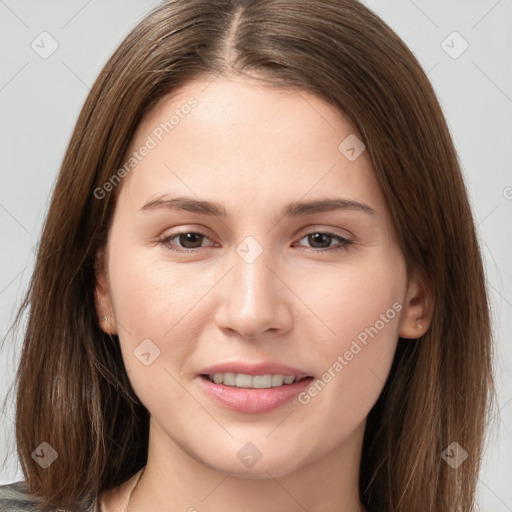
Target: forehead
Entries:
(236, 138)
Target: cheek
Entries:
(362, 308)
(151, 305)
(151, 293)
(351, 298)
(153, 301)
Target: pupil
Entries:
(189, 238)
(317, 238)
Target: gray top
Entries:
(15, 498)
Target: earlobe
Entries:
(102, 297)
(418, 309)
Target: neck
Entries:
(175, 480)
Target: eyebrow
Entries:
(294, 209)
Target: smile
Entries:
(242, 380)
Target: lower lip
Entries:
(253, 400)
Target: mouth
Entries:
(253, 389)
(246, 381)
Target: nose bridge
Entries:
(253, 300)
(252, 278)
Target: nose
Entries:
(254, 301)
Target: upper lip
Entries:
(262, 368)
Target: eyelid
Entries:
(343, 233)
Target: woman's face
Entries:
(290, 269)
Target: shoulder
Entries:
(15, 498)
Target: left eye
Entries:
(324, 237)
(191, 240)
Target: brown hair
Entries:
(72, 389)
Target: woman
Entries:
(250, 290)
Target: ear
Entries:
(102, 298)
(418, 308)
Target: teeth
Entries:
(261, 381)
(229, 379)
(242, 380)
(277, 380)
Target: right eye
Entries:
(185, 239)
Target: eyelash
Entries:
(345, 242)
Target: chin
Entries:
(276, 465)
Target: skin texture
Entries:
(253, 149)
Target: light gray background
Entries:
(40, 100)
